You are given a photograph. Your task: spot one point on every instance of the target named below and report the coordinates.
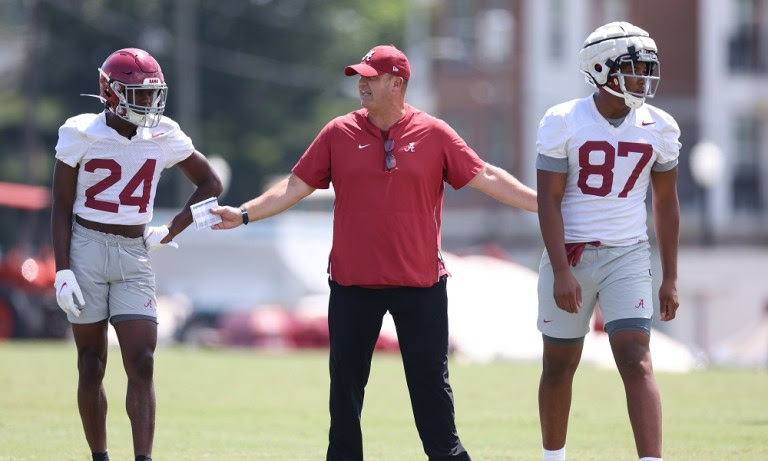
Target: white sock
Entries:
(554, 455)
(649, 458)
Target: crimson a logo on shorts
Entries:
(150, 303)
(641, 304)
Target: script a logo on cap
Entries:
(368, 56)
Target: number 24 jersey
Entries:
(608, 168)
(117, 177)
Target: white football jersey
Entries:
(609, 168)
(118, 177)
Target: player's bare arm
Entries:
(200, 173)
(278, 198)
(666, 214)
(551, 189)
(499, 184)
(64, 186)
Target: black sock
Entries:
(100, 456)
(142, 458)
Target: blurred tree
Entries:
(266, 74)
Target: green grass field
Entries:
(254, 405)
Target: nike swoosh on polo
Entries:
(648, 123)
(545, 320)
(362, 146)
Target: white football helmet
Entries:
(614, 44)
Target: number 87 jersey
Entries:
(118, 176)
(608, 168)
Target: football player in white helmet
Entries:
(617, 55)
(106, 174)
(597, 157)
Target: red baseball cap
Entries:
(383, 59)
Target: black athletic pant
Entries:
(355, 316)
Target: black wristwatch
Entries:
(245, 215)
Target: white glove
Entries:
(67, 287)
(153, 235)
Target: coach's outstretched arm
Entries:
(496, 182)
(275, 200)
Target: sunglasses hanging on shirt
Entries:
(390, 160)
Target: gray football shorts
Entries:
(115, 275)
(619, 278)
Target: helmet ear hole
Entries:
(598, 68)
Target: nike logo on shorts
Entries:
(362, 146)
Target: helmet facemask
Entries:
(642, 66)
(131, 97)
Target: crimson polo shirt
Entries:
(386, 224)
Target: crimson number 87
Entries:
(605, 169)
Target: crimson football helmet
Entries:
(132, 86)
(617, 43)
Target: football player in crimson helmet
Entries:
(131, 84)
(107, 169)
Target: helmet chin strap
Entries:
(633, 102)
(95, 96)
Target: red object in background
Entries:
(282, 328)
(598, 324)
(32, 273)
(28, 306)
(267, 326)
(310, 332)
(6, 320)
(40, 270)
(24, 196)
(387, 343)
